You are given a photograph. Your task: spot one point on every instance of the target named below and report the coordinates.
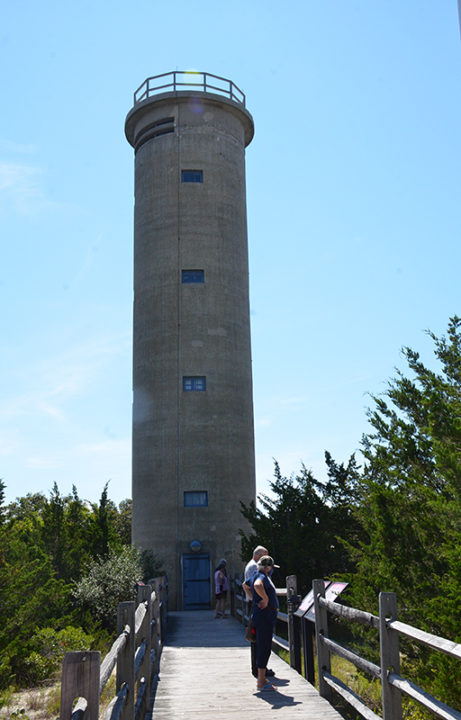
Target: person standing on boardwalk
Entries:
(264, 616)
(221, 588)
(251, 569)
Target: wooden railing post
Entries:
(157, 625)
(294, 640)
(144, 635)
(390, 657)
(321, 631)
(125, 661)
(232, 598)
(80, 679)
(308, 650)
(163, 600)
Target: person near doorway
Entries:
(221, 588)
(251, 569)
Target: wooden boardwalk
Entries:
(205, 675)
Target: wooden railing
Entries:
(135, 654)
(388, 672)
(300, 644)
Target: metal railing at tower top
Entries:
(178, 79)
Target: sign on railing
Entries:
(311, 613)
(185, 79)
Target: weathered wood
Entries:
(321, 631)
(139, 658)
(120, 705)
(429, 702)
(357, 660)
(156, 634)
(308, 630)
(351, 614)
(141, 700)
(390, 657)
(205, 674)
(125, 663)
(140, 614)
(79, 710)
(109, 661)
(144, 633)
(294, 639)
(80, 679)
(433, 641)
(158, 604)
(353, 699)
(280, 642)
(109, 710)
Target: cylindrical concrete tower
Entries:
(193, 439)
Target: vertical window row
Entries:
(193, 383)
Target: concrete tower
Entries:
(193, 440)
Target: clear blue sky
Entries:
(354, 213)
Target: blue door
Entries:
(196, 582)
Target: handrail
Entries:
(301, 625)
(347, 613)
(393, 685)
(433, 641)
(135, 653)
(202, 82)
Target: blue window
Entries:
(195, 176)
(194, 382)
(196, 498)
(193, 276)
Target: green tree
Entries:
(122, 522)
(104, 534)
(410, 505)
(302, 522)
(54, 529)
(2, 502)
(46, 545)
(79, 524)
(30, 593)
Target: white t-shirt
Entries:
(251, 568)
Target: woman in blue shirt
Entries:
(264, 615)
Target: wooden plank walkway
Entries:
(205, 674)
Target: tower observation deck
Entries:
(193, 438)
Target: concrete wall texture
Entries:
(191, 440)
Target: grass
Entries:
(368, 689)
(43, 703)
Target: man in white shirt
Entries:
(251, 569)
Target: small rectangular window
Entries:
(194, 176)
(197, 498)
(193, 276)
(194, 383)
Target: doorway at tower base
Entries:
(196, 582)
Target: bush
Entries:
(109, 581)
(50, 646)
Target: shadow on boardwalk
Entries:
(205, 674)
